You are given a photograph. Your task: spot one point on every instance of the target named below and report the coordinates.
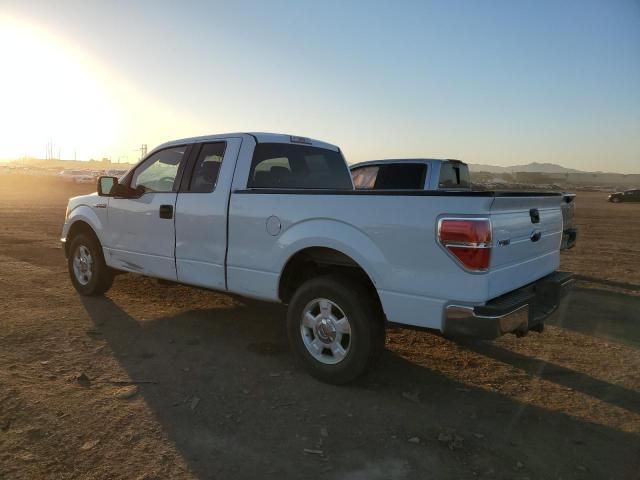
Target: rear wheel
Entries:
(336, 328)
(89, 273)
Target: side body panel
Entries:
(393, 238)
(91, 210)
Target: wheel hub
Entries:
(326, 331)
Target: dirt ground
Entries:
(155, 381)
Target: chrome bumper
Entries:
(463, 321)
(516, 312)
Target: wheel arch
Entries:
(78, 227)
(314, 261)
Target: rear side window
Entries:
(207, 168)
(283, 165)
(395, 176)
(454, 175)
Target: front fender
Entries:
(86, 214)
(334, 234)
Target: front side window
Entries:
(207, 168)
(283, 165)
(158, 172)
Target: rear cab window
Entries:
(454, 174)
(394, 176)
(284, 165)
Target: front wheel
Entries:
(336, 328)
(615, 200)
(89, 273)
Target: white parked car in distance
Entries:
(276, 217)
(78, 176)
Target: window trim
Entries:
(190, 168)
(179, 175)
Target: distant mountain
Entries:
(529, 167)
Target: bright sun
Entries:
(50, 93)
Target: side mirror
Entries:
(106, 185)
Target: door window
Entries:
(207, 168)
(158, 172)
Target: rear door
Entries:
(201, 213)
(527, 231)
(140, 232)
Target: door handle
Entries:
(166, 211)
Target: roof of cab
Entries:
(260, 137)
(388, 161)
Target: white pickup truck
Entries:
(277, 218)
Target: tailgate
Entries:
(527, 231)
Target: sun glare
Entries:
(50, 93)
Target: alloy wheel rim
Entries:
(326, 331)
(83, 265)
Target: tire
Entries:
(89, 273)
(615, 200)
(329, 301)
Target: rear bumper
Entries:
(516, 312)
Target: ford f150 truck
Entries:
(277, 218)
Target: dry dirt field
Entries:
(156, 381)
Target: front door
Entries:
(140, 232)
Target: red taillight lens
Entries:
(469, 240)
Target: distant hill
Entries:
(529, 167)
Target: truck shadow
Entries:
(227, 394)
(601, 313)
(605, 391)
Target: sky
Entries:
(494, 82)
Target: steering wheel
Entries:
(168, 181)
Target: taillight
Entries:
(468, 240)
